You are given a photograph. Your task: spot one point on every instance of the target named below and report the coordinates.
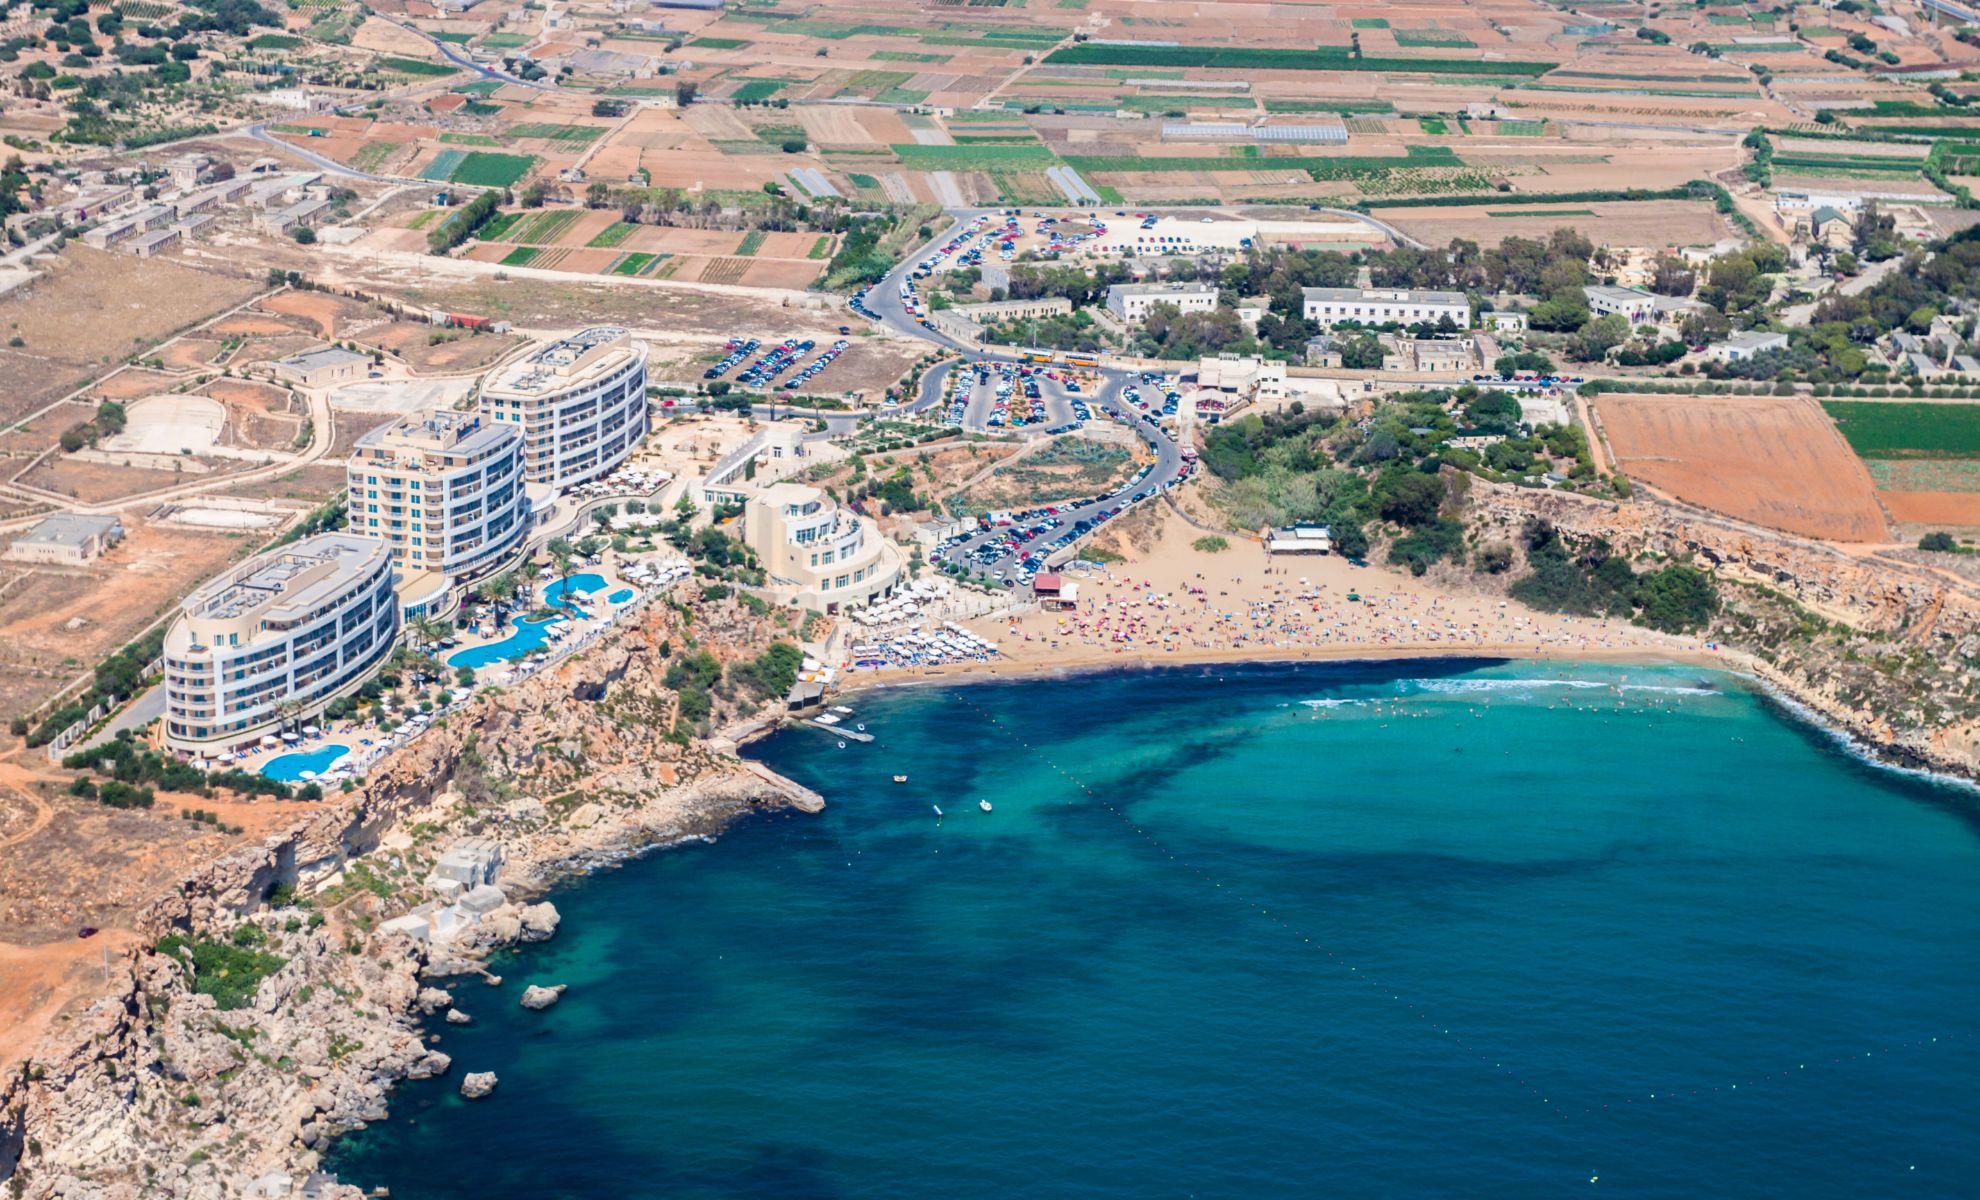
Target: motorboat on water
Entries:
(900, 779)
(938, 810)
(984, 805)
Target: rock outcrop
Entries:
(478, 1084)
(537, 999)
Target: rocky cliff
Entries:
(1886, 649)
(273, 1012)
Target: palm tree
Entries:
(427, 631)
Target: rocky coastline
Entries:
(181, 1082)
(272, 1008)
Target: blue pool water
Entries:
(621, 596)
(289, 768)
(1462, 929)
(561, 591)
(528, 636)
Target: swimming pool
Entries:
(528, 636)
(289, 768)
(580, 585)
(621, 596)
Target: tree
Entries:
(1408, 497)
(1363, 353)
(304, 235)
(685, 91)
(795, 145)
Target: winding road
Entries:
(884, 299)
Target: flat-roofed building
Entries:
(318, 368)
(1131, 301)
(147, 244)
(444, 491)
(1638, 307)
(68, 539)
(581, 403)
(816, 554)
(1328, 306)
(275, 639)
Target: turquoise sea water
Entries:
(1470, 929)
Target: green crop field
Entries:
(414, 66)
(1442, 39)
(759, 89)
(1344, 107)
(722, 43)
(612, 235)
(481, 168)
(972, 158)
(822, 248)
(498, 226)
(1433, 125)
(520, 256)
(578, 134)
(1371, 23)
(1336, 58)
(633, 264)
(751, 243)
(442, 168)
(1330, 166)
(274, 41)
(544, 228)
(1908, 430)
(469, 139)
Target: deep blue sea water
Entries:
(1466, 929)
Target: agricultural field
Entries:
(1772, 460)
(1924, 457)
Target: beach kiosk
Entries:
(1055, 593)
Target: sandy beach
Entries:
(1175, 604)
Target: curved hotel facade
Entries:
(276, 639)
(817, 554)
(580, 401)
(445, 492)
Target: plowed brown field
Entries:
(1934, 508)
(1772, 460)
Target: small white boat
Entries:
(937, 808)
(900, 779)
(984, 805)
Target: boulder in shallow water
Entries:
(477, 1084)
(456, 1017)
(539, 998)
(430, 1065)
(432, 1000)
(539, 921)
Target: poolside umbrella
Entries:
(268, 739)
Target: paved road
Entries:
(885, 301)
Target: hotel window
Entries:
(840, 582)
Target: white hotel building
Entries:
(581, 403)
(816, 554)
(445, 492)
(1328, 307)
(276, 639)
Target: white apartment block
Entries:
(1130, 302)
(581, 402)
(1328, 307)
(276, 638)
(815, 553)
(445, 492)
